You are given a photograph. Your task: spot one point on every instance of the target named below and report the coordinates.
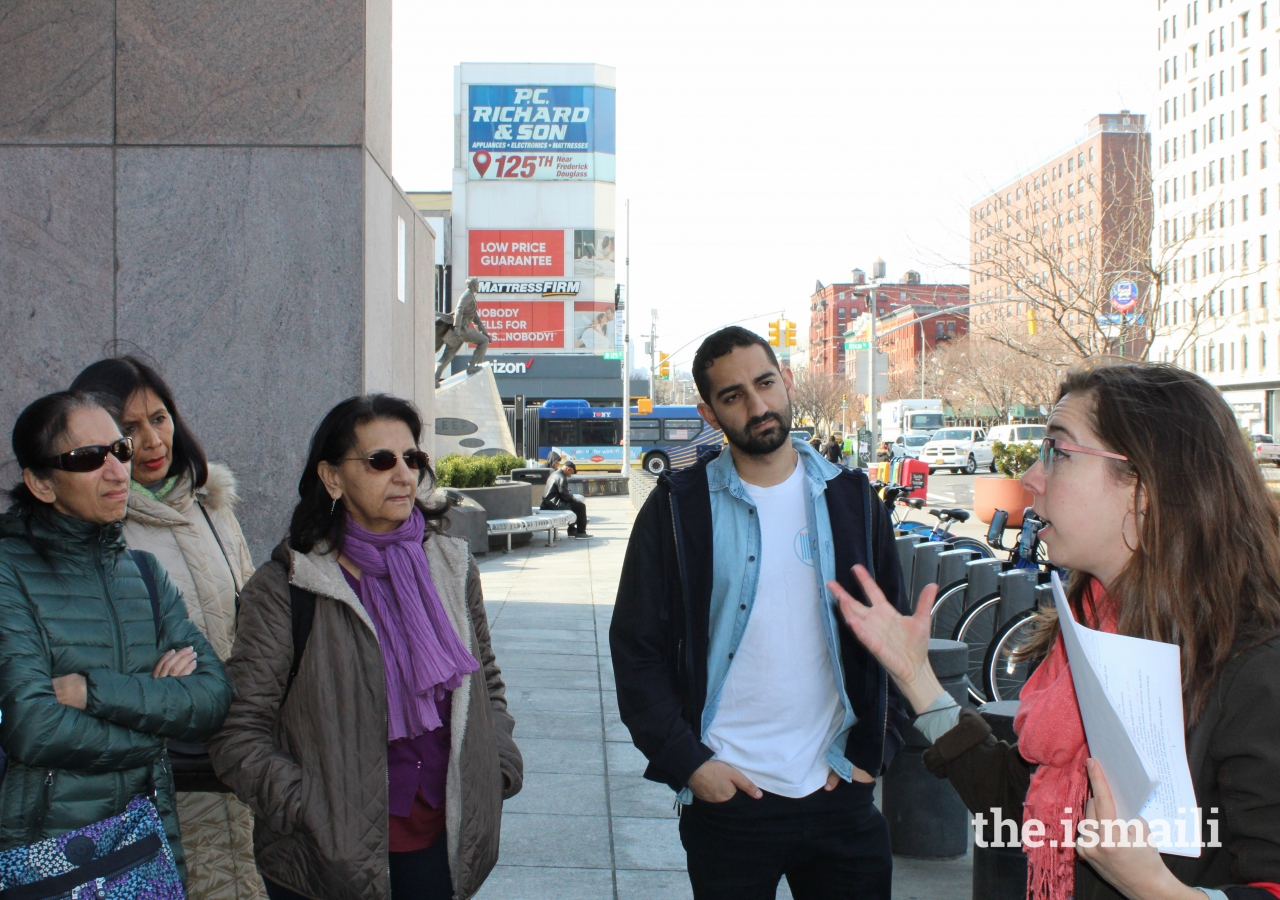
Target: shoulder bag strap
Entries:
(302, 614)
(235, 582)
(150, 581)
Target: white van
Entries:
(1012, 434)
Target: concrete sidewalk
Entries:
(587, 825)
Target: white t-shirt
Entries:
(779, 707)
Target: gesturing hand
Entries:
(716, 782)
(176, 663)
(900, 643)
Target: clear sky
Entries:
(764, 146)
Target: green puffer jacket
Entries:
(90, 613)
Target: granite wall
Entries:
(207, 183)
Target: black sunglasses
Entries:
(385, 460)
(91, 459)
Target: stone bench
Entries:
(548, 520)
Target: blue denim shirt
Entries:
(736, 574)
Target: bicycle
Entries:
(939, 532)
(975, 624)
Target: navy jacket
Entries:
(660, 629)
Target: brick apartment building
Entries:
(1066, 228)
(907, 346)
(833, 308)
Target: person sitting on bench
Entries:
(558, 496)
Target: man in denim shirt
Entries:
(735, 679)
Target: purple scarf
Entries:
(423, 655)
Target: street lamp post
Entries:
(626, 363)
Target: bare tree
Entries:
(818, 398)
(981, 378)
(1053, 254)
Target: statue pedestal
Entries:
(470, 418)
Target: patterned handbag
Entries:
(125, 857)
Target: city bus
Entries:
(667, 439)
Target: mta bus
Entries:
(668, 438)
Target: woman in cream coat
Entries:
(181, 510)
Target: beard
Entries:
(754, 444)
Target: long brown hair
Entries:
(1206, 572)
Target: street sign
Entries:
(613, 354)
(857, 345)
(1124, 295)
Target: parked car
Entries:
(1265, 448)
(957, 449)
(803, 433)
(1011, 434)
(909, 445)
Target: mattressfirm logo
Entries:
(512, 368)
(545, 288)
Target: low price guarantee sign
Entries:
(523, 323)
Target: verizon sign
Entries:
(512, 368)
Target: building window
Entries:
(1244, 208)
(1244, 353)
(1244, 297)
(1262, 294)
(1244, 117)
(1244, 72)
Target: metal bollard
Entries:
(999, 873)
(926, 817)
(981, 575)
(952, 566)
(924, 570)
(1017, 592)
(905, 544)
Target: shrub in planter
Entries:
(457, 471)
(1014, 460)
(1005, 491)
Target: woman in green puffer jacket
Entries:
(88, 690)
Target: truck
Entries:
(903, 417)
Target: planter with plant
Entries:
(476, 477)
(1005, 490)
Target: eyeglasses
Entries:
(1050, 446)
(385, 460)
(93, 458)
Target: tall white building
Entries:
(1215, 145)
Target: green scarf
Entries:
(159, 494)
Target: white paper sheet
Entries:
(1130, 696)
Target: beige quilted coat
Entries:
(217, 829)
(313, 765)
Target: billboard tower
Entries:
(533, 214)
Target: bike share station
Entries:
(982, 613)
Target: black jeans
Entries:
(420, 875)
(829, 845)
(580, 509)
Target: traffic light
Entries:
(644, 406)
(664, 366)
(1031, 320)
(791, 334)
(774, 339)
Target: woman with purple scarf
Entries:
(370, 732)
